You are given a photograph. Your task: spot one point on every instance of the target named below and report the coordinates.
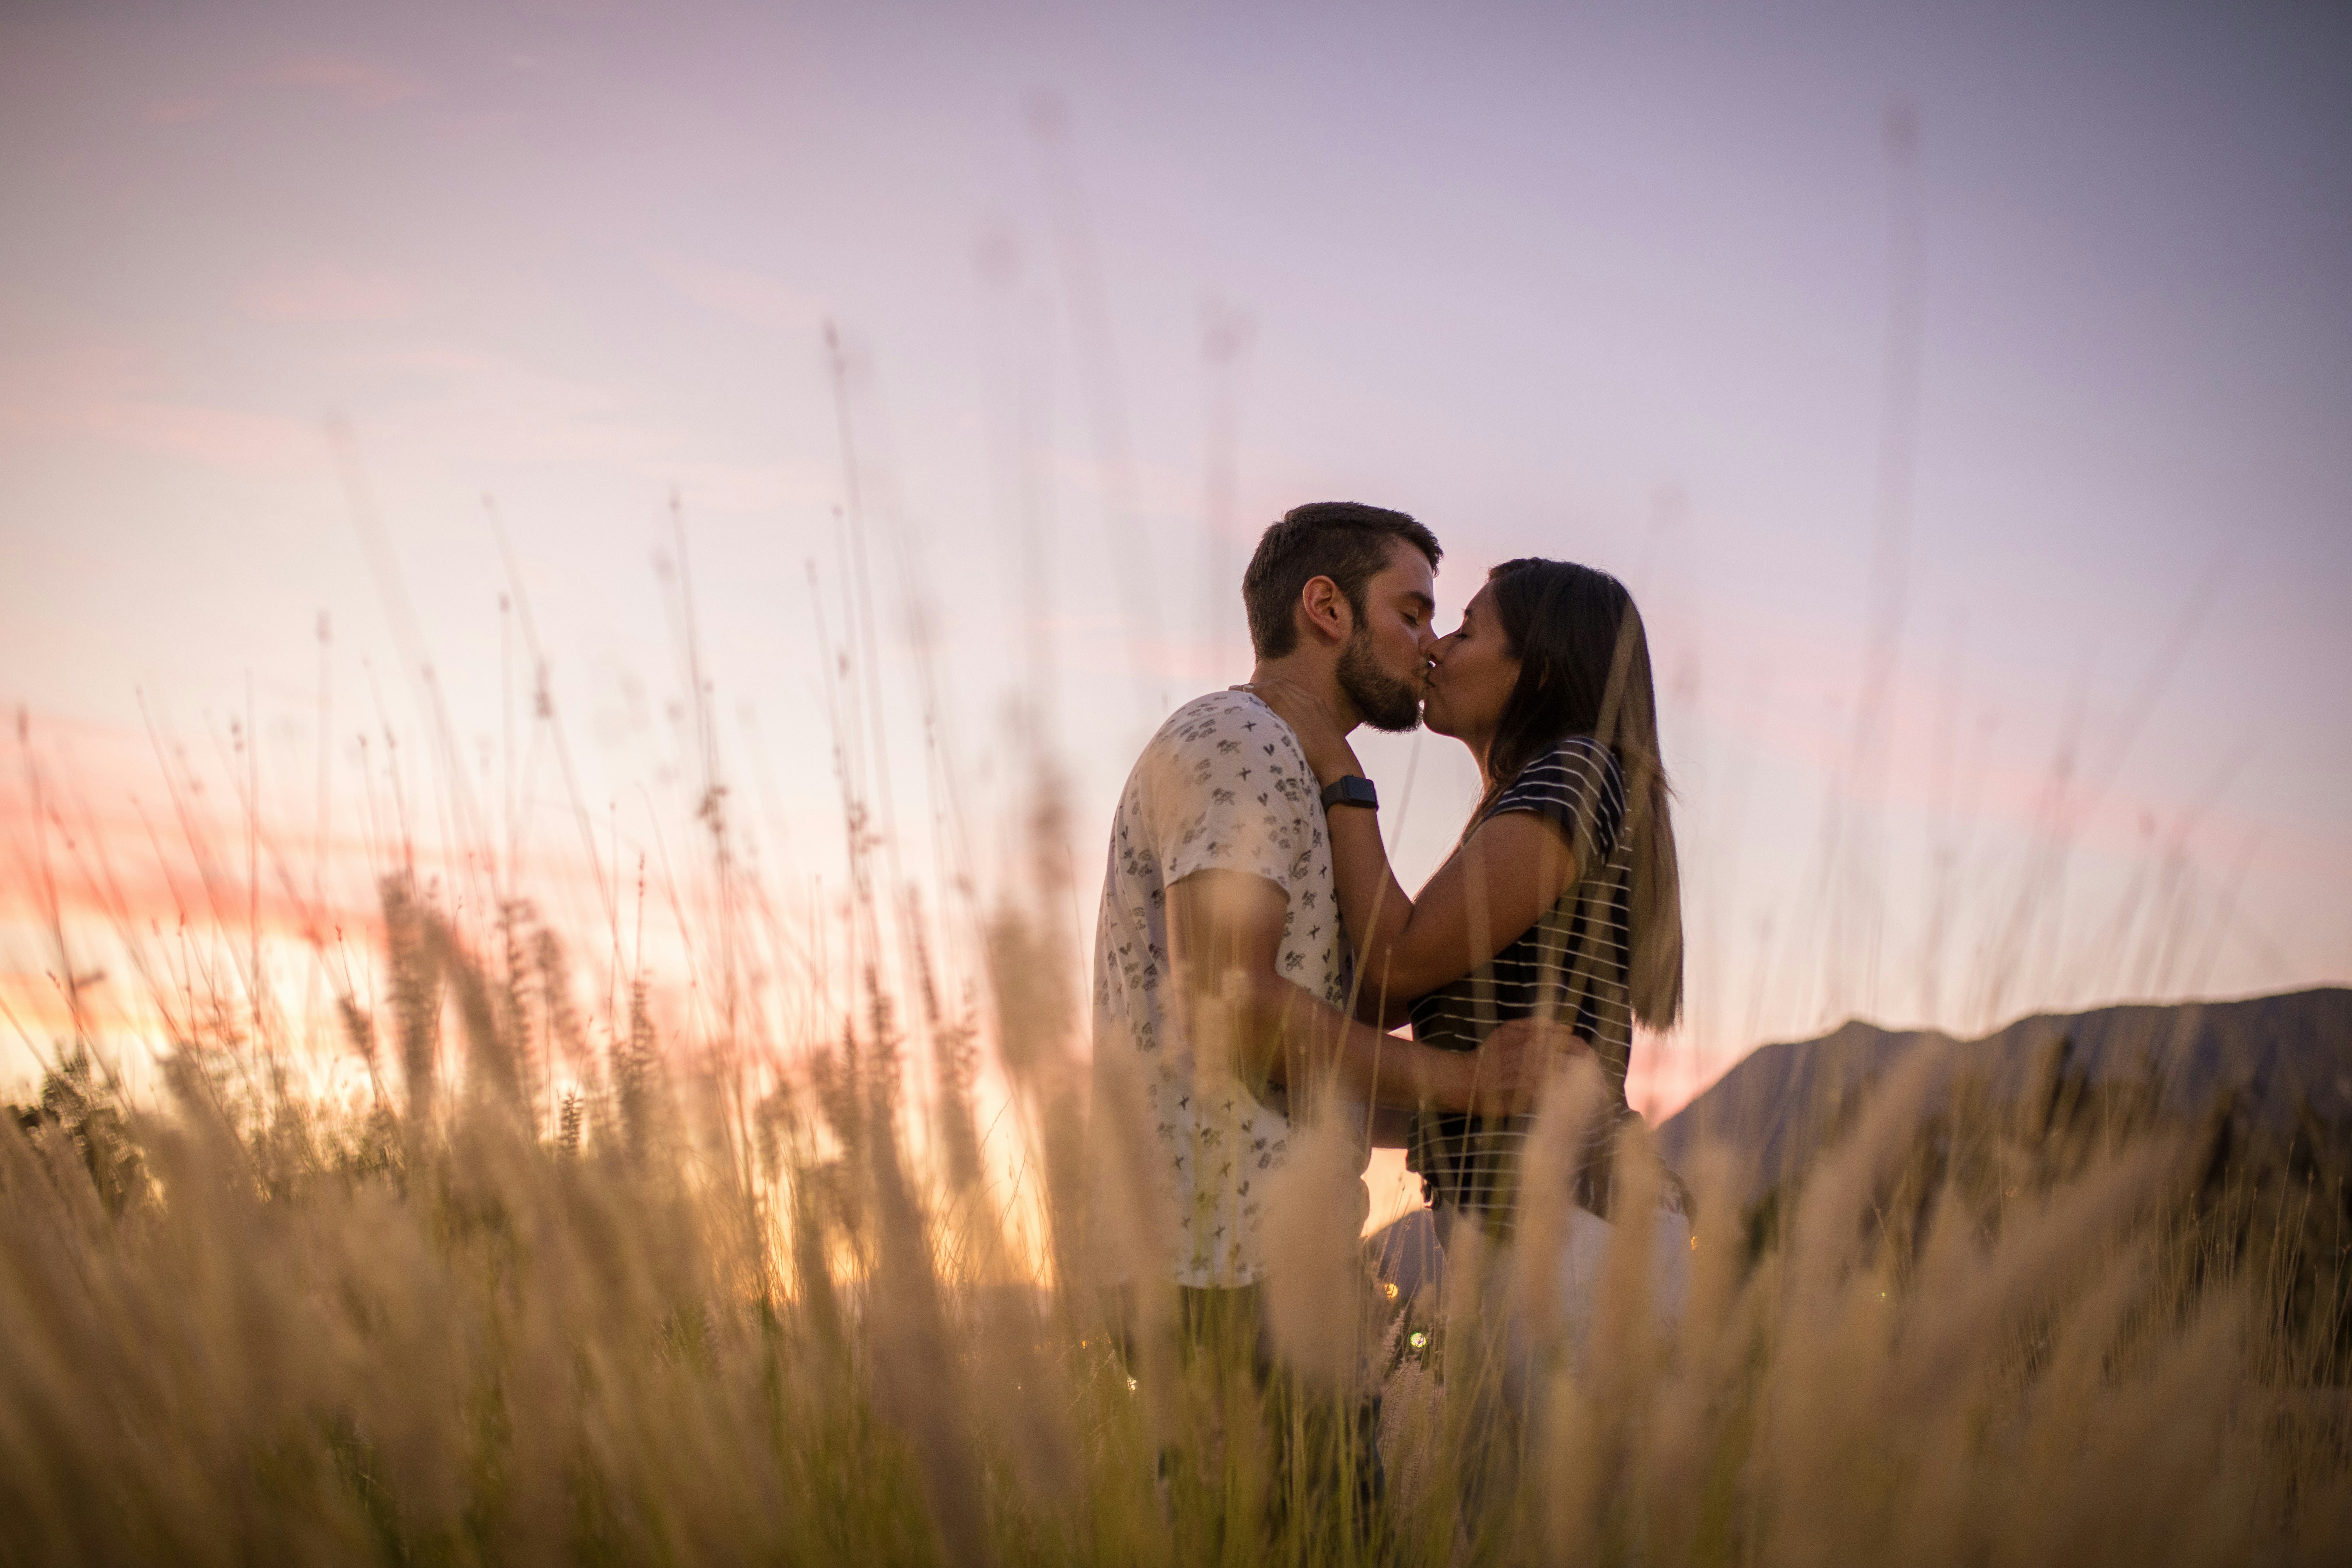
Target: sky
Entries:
(1964, 391)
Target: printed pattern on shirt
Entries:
(1580, 948)
(1221, 786)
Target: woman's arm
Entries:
(1224, 943)
(1513, 868)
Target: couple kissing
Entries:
(1254, 949)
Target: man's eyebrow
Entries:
(1424, 600)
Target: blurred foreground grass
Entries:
(684, 1316)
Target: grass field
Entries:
(686, 1313)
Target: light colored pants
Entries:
(1508, 1363)
(1583, 1255)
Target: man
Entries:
(1222, 974)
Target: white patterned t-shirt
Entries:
(1223, 786)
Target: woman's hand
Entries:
(1319, 735)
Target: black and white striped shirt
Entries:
(1576, 956)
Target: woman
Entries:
(1561, 899)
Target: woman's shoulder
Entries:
(1571, 766)
(1582, 752)
(1576, 785)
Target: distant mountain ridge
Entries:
(2280, 1054)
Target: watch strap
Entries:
(1353, 790)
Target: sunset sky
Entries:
(1117, 285)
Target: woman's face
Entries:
(1471, 674)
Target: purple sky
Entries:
(1609, 283)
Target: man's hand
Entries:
(1508, 1071)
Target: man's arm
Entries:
(1224, 938)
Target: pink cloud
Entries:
(752, 297)
(180, 111)
(101, 393)
(219, 438)
(1803, 716)
(355, 83)
(464, 400)
(328, 293)
(154, 891)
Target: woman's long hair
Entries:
(1585, 670)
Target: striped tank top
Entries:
(1576, 956)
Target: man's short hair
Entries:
(1345, 540)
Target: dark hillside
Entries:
(2287, 1060)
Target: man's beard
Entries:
(1381, 700)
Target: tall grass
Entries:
(690, 1314)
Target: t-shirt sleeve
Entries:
(1577, 786)
(1227, 798)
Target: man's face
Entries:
(1385, 662)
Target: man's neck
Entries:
(1319, 676)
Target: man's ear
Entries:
(1323, 611)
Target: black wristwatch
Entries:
(1353, 790)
